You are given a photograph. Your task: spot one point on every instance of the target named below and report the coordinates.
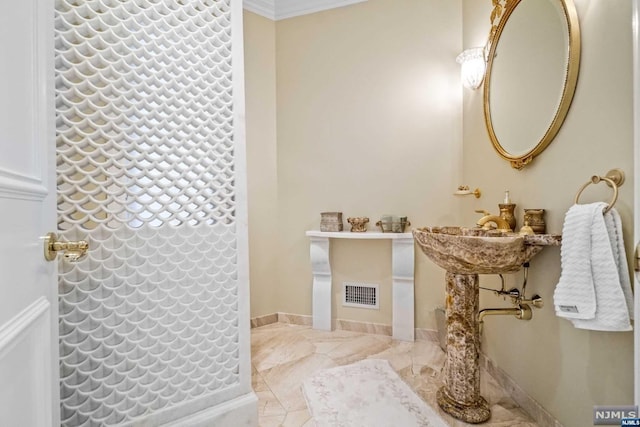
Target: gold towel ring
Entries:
(614, 179)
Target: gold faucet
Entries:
(487, 219)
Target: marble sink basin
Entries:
(462, 250)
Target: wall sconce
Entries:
(472, 67)
(464, 190)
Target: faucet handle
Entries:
(482, 211)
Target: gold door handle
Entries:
(73, 251)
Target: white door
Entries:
(636, 183)
(28, 293)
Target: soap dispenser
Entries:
(507, 210)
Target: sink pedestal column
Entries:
(460, 396)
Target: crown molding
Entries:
(264, 8)
(282, 9)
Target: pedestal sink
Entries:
(464, 253)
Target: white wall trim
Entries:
(282, 9)
(30, 330)
(14, 328)
(16, 186)
(266, 8)
(241, 411)
(290, 8)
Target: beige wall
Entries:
(368, 123)
(260, 82)
(567, 370)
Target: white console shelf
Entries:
(402, 271)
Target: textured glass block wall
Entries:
(145, 164)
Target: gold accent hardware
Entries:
(526, 230)
(485, 221)
(535, 218)
(73, 251)
(536, 301)
(358, 224)
(522, 312)
(463, 190)
(636, 258)
(394, 224)
(506, 213)
(503, 11)
(614, 179)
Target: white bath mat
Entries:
(367, 393)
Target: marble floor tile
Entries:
(359, 347)
(286, 380)
(272, 421)
(297, 418)
(398, 354)
(268, 404)
(284, 355)
(287, 345)
(257, 383)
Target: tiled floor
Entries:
(283, 355)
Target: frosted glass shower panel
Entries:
(145, 159)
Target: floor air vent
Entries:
(360, 295)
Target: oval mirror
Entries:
(532, 71)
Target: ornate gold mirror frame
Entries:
(502, 10)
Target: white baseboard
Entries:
(239, 412)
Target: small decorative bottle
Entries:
(506, 210)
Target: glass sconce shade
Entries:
(473, 67)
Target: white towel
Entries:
(594, 290)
